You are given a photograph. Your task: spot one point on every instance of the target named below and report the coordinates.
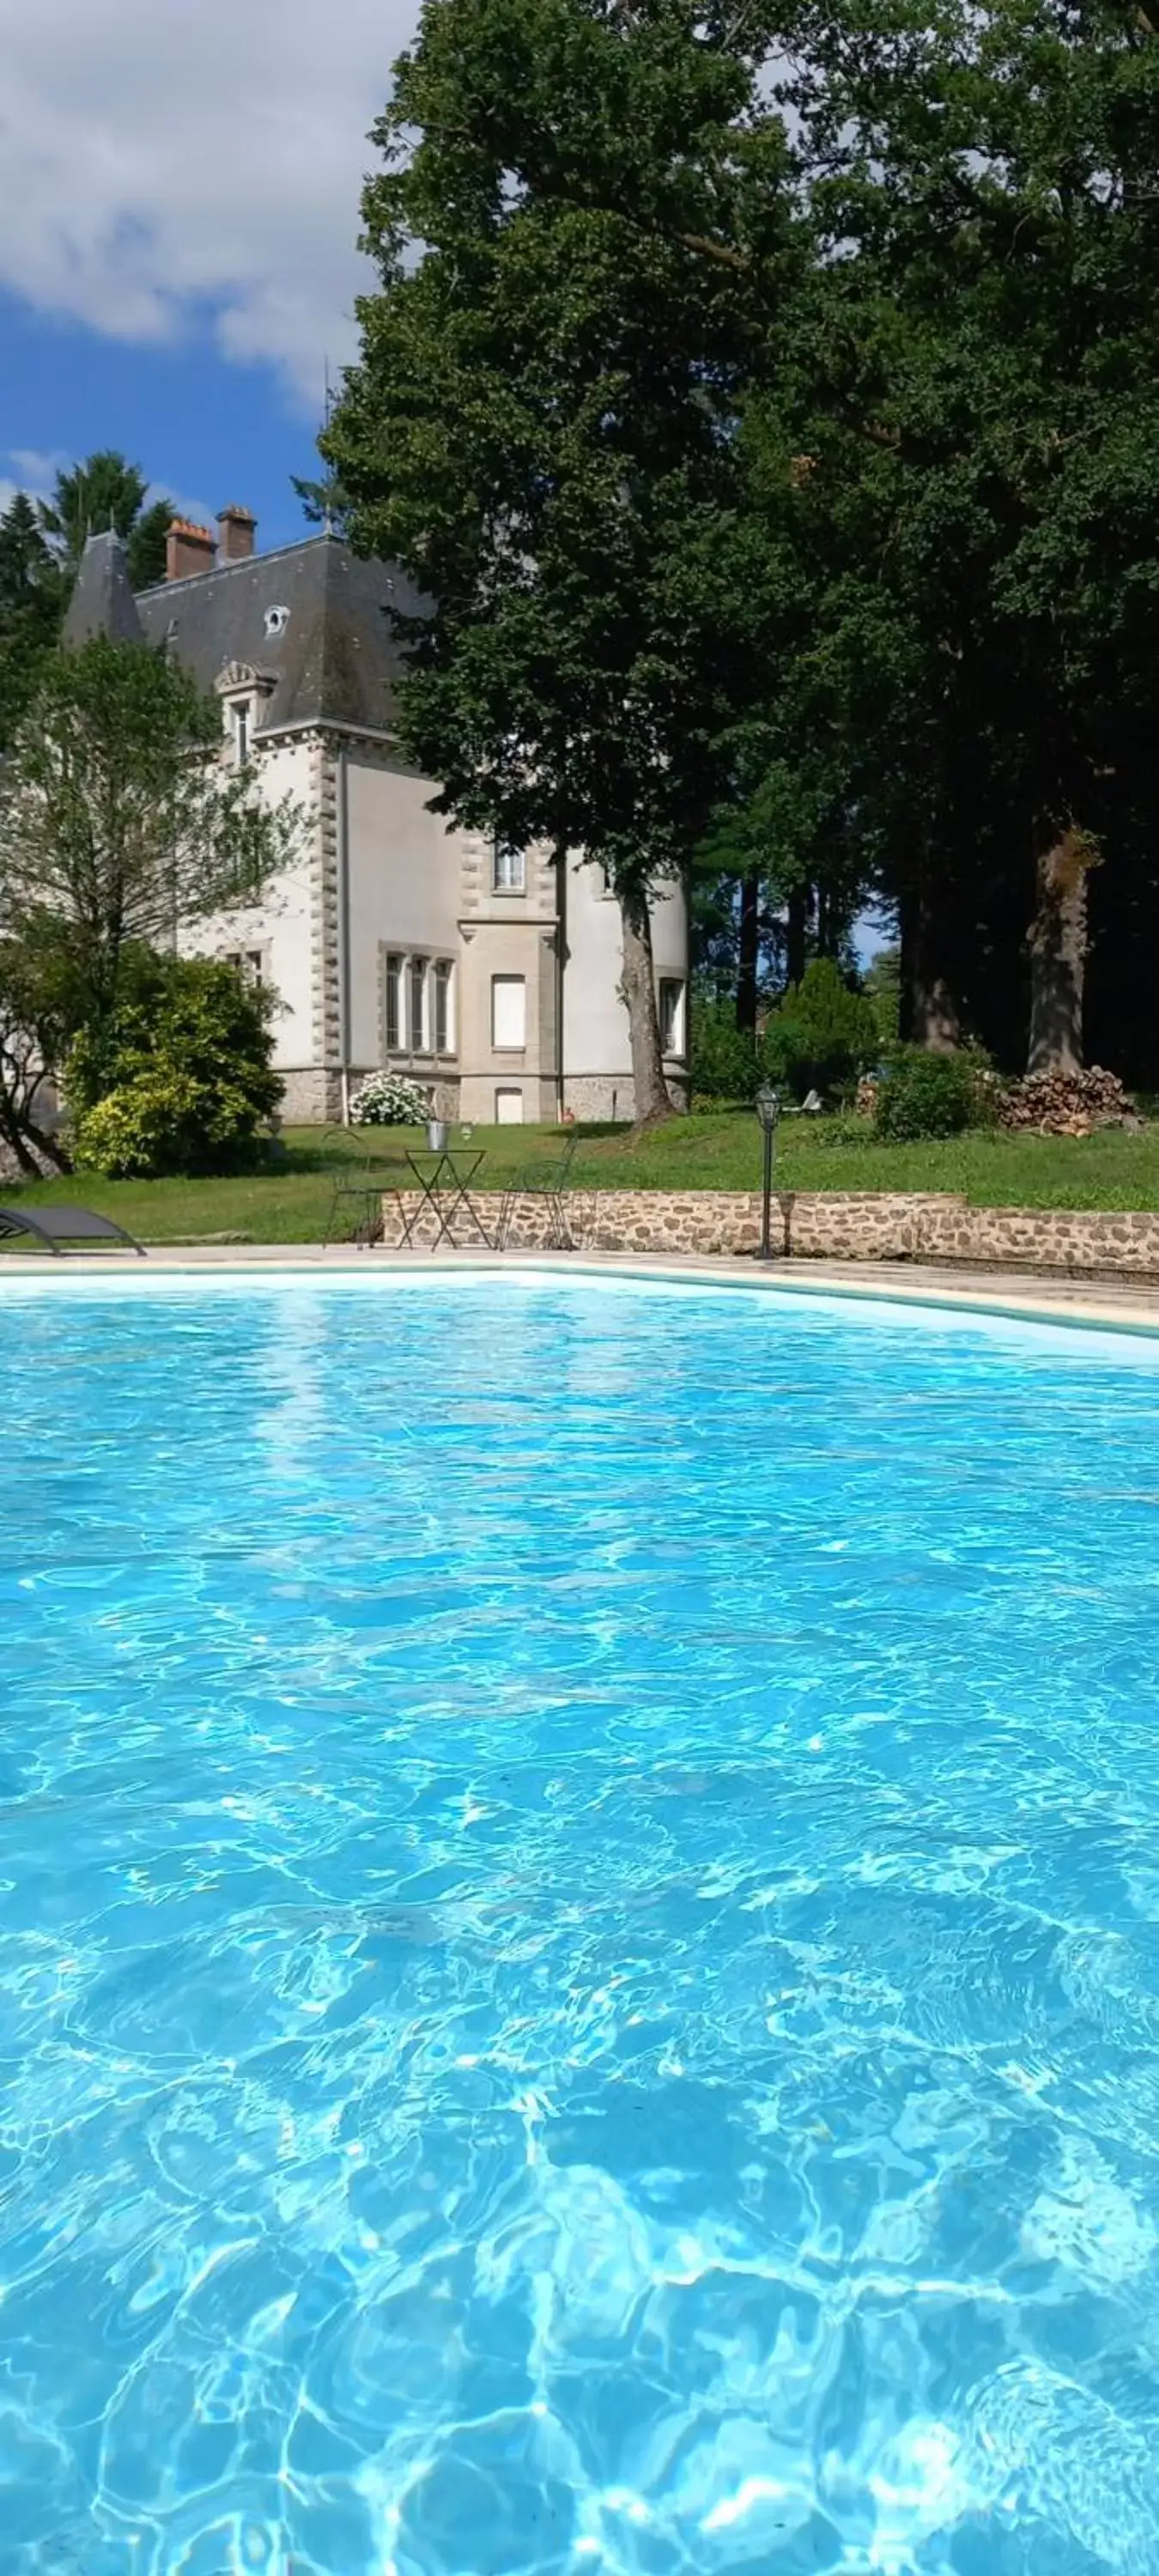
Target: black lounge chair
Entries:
(63, 1229)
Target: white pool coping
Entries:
(1125, 1306)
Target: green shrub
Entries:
(725, 1066)
(822, 1035)
(921, 1094)
(180, 1081)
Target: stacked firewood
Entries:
(1066, 1104)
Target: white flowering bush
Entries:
(390, 1100)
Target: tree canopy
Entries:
(767, 404)
(982, 416)
(41, 544)
(31, 603)
(542, 427)
(106, 492)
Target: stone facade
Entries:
(312, 1098)
(824, 1225)
(393, 937)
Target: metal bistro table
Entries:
(444, 1179)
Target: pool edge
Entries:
(1011, 1298)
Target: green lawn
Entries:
(1107, 1170)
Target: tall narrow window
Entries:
(671, 1015)
(419, 1032)
(510, 872)
(444, 1024)
(241, 732)
(508, 1010)
(394, 1005)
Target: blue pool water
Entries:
(579, 1935)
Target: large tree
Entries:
(542, 425)
(105, 491)
(119, 819)
(983, 414)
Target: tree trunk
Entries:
(825, 940)
(929, 1013)
(638, 994)
(796, 933)
(749, 956)
(25, 1139)
(1058, 953)
(12, 1137)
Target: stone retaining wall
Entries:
(822, 1225)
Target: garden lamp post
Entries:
(768, 1107)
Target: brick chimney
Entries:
(236, 529)
(188, 549)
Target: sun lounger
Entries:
(65, 1229)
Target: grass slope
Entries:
(290, 1205)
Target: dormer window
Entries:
(244, 689)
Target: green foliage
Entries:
(922, 1094)
(541, 425)
(726, 1063)
(97, 1049)
(32, 597)
(106, 491)
(771, 404)
(822, 1035)
(118, 820)
(182, 1081)
(323, 500)
(883, 986)
(975, 532)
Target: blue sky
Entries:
(179, 211)
(206, 429)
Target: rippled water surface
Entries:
(579, 1935)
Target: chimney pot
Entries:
(236, 529)
(188, 549)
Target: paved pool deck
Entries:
(1125, 1304)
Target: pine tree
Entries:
(31, 607)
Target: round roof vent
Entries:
(277, 620)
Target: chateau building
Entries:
(393, 939)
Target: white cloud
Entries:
(37, 467)
(32, 472)
(156, 162)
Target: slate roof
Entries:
(102, 601)
(334, 661)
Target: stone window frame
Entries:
(673, 1018)
(513, 1049)
(407, 956)
(251, 960)
(502, 859)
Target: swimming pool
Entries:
(579, 1934)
